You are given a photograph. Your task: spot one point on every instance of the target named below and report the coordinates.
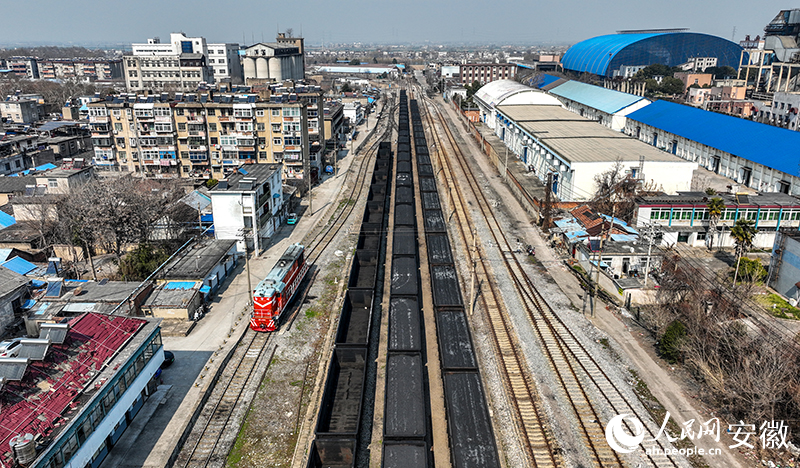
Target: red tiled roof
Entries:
(51, 387)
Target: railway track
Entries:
(208, 448)
(529, 416)
(213, 433)
(574, 366)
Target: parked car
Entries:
(169, 358)
(10, 348)
(292, 218)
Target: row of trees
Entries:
(53, 93)
(112, 215)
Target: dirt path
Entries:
(661, 384)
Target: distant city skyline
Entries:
(92, 22)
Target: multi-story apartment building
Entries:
(206, 135)
(486, 72)
(20, 110)
(180, 65)
(224, 59)
(24, 67)
(81, 69)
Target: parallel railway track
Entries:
(572, 363)
(212, 435)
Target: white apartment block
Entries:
(180, 65)
(224, 60)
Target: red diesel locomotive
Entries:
(274, 292)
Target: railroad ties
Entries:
(346, 399)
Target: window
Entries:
(212, 127)
(276, 112)
(277, 141)
(211, 111)
(118, 127)
(262, 155)
(242, 112)
(227, 140)
(291, 111)
(214, 141)
(276, 128)
(184, 155)
(52, 183)
(182, 127)
(244, 127)
(260, 113)
(260, 127)
(178, 111)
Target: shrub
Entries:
(751, 270)
(671, 341)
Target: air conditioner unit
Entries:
(262, 146)
(115, 132)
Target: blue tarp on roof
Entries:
(6, 220)
(207, 218)
(574, 235)
(205, 289)
(180, 285)
(46, 167)
(602, 99)
(19, 265)
(624, 237)
(760, 143)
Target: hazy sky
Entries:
(532, 21)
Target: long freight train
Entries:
(274, 292)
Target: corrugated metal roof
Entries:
(593, 55)
(19, 265)
(770, 146)
(494, 93)
(596, 55)
(602, 99)
(577, 139)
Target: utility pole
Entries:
(505, 167)
(600, 255)
(650, 238)
(473, 274)
(547, 201)
(247, 263)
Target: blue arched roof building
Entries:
(603, 55)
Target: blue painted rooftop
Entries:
(602, 99)
(180, 285)
(6, 220)
(19, 265)
(770, 146)
(602, 55)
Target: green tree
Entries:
(721, 72)
(374, 59)
(394, 61)
(670, 85)
(670, 344)
(355, 62)
(715, 207)
(211, 183)
(752, 270)
(346, 88)
(141, 262)
(650, 71)
(743, 233)
(473, 88)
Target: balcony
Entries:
(195, 119)
(197, 134)
(99, 119)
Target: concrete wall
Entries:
(786, 273)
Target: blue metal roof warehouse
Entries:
(606, 100)
(603, 55)
(769, 146)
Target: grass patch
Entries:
(312, 313)
(296, 383)
(578, 268)
(604, 342)
(237, 451)
(657, 412)
(778, 306)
